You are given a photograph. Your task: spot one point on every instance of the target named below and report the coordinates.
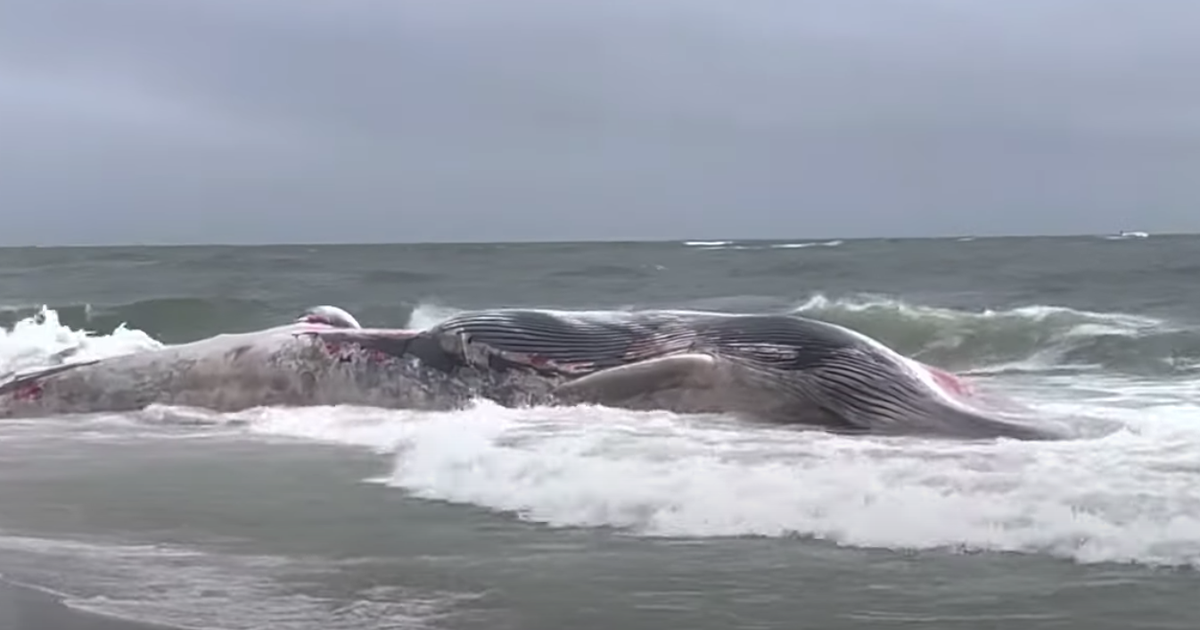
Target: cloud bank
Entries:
(141, 121)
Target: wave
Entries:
(658, 474)
(806, 245)
(168, 319)
(1036, 339)
(732, 245)
(44, 339)
(1023, 339)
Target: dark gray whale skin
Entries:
(766, 367)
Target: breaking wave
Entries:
(658, 474)
(169, 319)
(1031, 339)
(1025, 339)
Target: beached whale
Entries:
(770, 367)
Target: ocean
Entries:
(592, 518)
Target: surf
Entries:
(661, 474)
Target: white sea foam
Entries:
(1126, 495)
(37, 341)
(806, 245)
(1129, 496)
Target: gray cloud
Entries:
(312, 120)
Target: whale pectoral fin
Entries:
(24, 378)
(329, 316)
(641, 384)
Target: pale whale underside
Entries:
(779, 368)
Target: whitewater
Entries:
(1124, 491)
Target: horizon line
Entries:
(623, 241)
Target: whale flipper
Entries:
(643, 384)
(15, 380)
(330, 316)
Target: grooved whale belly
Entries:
(780, 368)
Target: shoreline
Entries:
(27, 608)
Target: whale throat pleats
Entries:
(594, 343)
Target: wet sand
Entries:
(24, 608)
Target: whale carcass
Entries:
(771, 367)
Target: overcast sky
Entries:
(155, 121)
